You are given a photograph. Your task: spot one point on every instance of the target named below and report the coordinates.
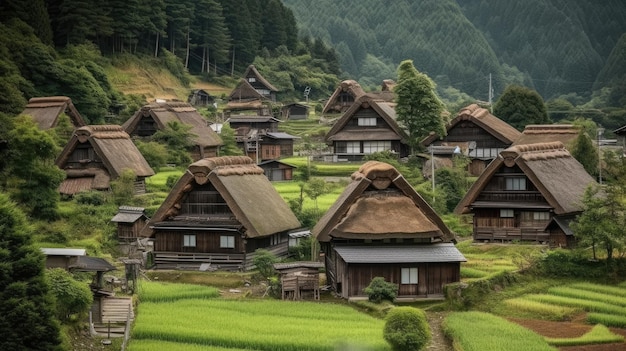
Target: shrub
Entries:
(171, 181)
(73, 298)
(380, 290)
(94, 197)
(264, 262)
(406, 328)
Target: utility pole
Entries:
(600, 131)
(432, 169)
(490, 95)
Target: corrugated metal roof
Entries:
(128, 214)
(442, 252)
(281, 135)
(63, 251)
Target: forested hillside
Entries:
(554, 46)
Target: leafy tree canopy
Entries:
(520, 106)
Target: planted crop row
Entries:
(587, 305)
(598, 335)
(260, 325)
(479, 331)
(610, 320)
(162, 292)
(588, 295)
(604, 289)
(159, 345)
(545, 310)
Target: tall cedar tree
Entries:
(26, 304)
(585, 153)
(418, 106)
(520, 106)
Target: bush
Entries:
(73, 298)
(380, 290)
(171, 181)
(95, 198)
(264, 262)
(406, 328)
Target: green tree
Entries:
(264, 262)
(156, 154)
(603, 219)
(585, 153)
(73, 297)
(406, 328)
(314, 188)
(229, 146)
(31, 163)
(123, 187)
(520, 106)
(26, 305)
(177, 137)
(418, 107)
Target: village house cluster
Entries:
(224, 208)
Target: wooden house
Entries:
(259, 137)
(245, 99)
(276, 170)
(155, 116)
(130, 221)
(368, 126)
(300, 279)
(46, 111)
(545, 133)
(217, 215)
(350, 91)
(381, 227)
(478, 134)
(294, 111)
(98, 154)
(522, 190)
(259, 83)
(62, 257)
(200, 97)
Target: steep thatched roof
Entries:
(247, 192)
(385, 110)
(388, 85)
(545, 133)
(559, 177)
(244, 92)
(353, 88)
(176, 111)
(112, 145)
(483, 119)
(251, 71)
(46, 111)
(380, 204)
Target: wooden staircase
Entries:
(115, 312)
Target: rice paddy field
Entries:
(187, 317)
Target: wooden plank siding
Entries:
(432, 277)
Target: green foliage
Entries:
(171, 181)
(379, 290)
(302, 251)
(520, 106)
(417, 106)
(177, 138)
(150, 291)
(73, 297)
(585, 153)
(406, 328)
(26, 304)
(264, 262)
(607, 319)
(599, 334)
(154, 153)
(123, 188)
(175, 66)
(543, 310)
(229, 147)
(566, 263)
(93, 197)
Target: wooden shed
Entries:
(560, 232)
(276, 170)
(299, 280)
(155, 116)
(200, 97)
(130, 221)
(218, 214)
(62, 257)
(46, 111)
(294, 111)
(97, 154)
(381, 227)
(522, 190)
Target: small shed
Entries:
(200, 97)
(130, 221)
(294, 111)
(277, 171)
(62, 257)
(561, 234)
(299, 280)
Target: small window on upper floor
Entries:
(367, 122)
(516, 183)
(251, 79)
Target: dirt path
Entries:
(439, 341)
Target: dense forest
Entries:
(61, 47)
(557, 47)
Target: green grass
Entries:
(536, 309)
(160, 345)
(610, 320)
(587, 305)
(569, 291)
(598, 335)
(168, 292)
(619, 290)
(479, 331)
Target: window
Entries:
(348, 147)
(541, 216)
(369, 147)
(275, 239)
(227, 242)
(506, 213)
(251, 79)
(367, 121)
(189, 241)
(409, 275)
(517, 183)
